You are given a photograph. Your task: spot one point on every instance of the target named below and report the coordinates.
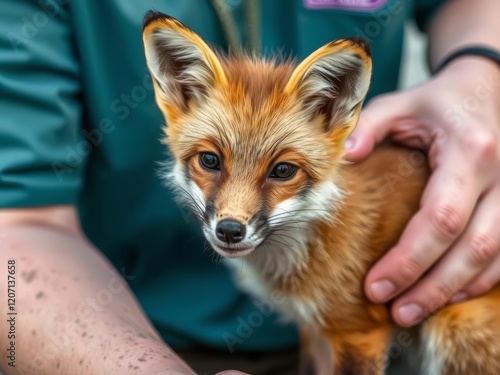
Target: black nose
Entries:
(230, 231)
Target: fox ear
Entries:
(183, 67)
(333, 82)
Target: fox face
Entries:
(256, 144)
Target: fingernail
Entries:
(349, 144)
(410, 314)
(382, 290)
(459, 297)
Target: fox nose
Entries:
(230, 231)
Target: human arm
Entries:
(455, 116)
(75, 312)
(40, 106)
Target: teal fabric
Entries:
(40, 107)
(78, 124)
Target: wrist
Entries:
(472, 65)
(483, 51)
(470, 72)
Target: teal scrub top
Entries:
(79, 125)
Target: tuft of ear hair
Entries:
(333, 81)
(183, 66)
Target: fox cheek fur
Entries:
(236, 125)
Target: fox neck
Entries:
(284, 253)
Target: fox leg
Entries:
(360, 352)
(464, 339)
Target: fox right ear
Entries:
(183, 67)
(333, 82)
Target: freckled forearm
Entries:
(74, 313)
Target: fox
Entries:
(258, 156)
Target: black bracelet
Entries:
(487, 52)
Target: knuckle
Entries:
(481, 248)
(447, 289)
(483, 144)
(448, 222)
(410, 270)
(435, 302)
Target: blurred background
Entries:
(414, 69)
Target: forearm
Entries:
(74, 312)
(461, 23)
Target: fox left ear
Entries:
(333, 82)
(183, 67)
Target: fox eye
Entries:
(283, 171)
(210, 161)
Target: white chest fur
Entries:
(303, 310)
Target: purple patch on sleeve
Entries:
(359, 5)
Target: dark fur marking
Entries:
(361, 42)
(153, 15)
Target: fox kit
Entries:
(258, 152)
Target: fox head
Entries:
(256, 144)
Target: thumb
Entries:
(376, 121)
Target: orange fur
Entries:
(254, 115)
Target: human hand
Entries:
(453, 239)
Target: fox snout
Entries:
(232, 237)
(230, 231)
